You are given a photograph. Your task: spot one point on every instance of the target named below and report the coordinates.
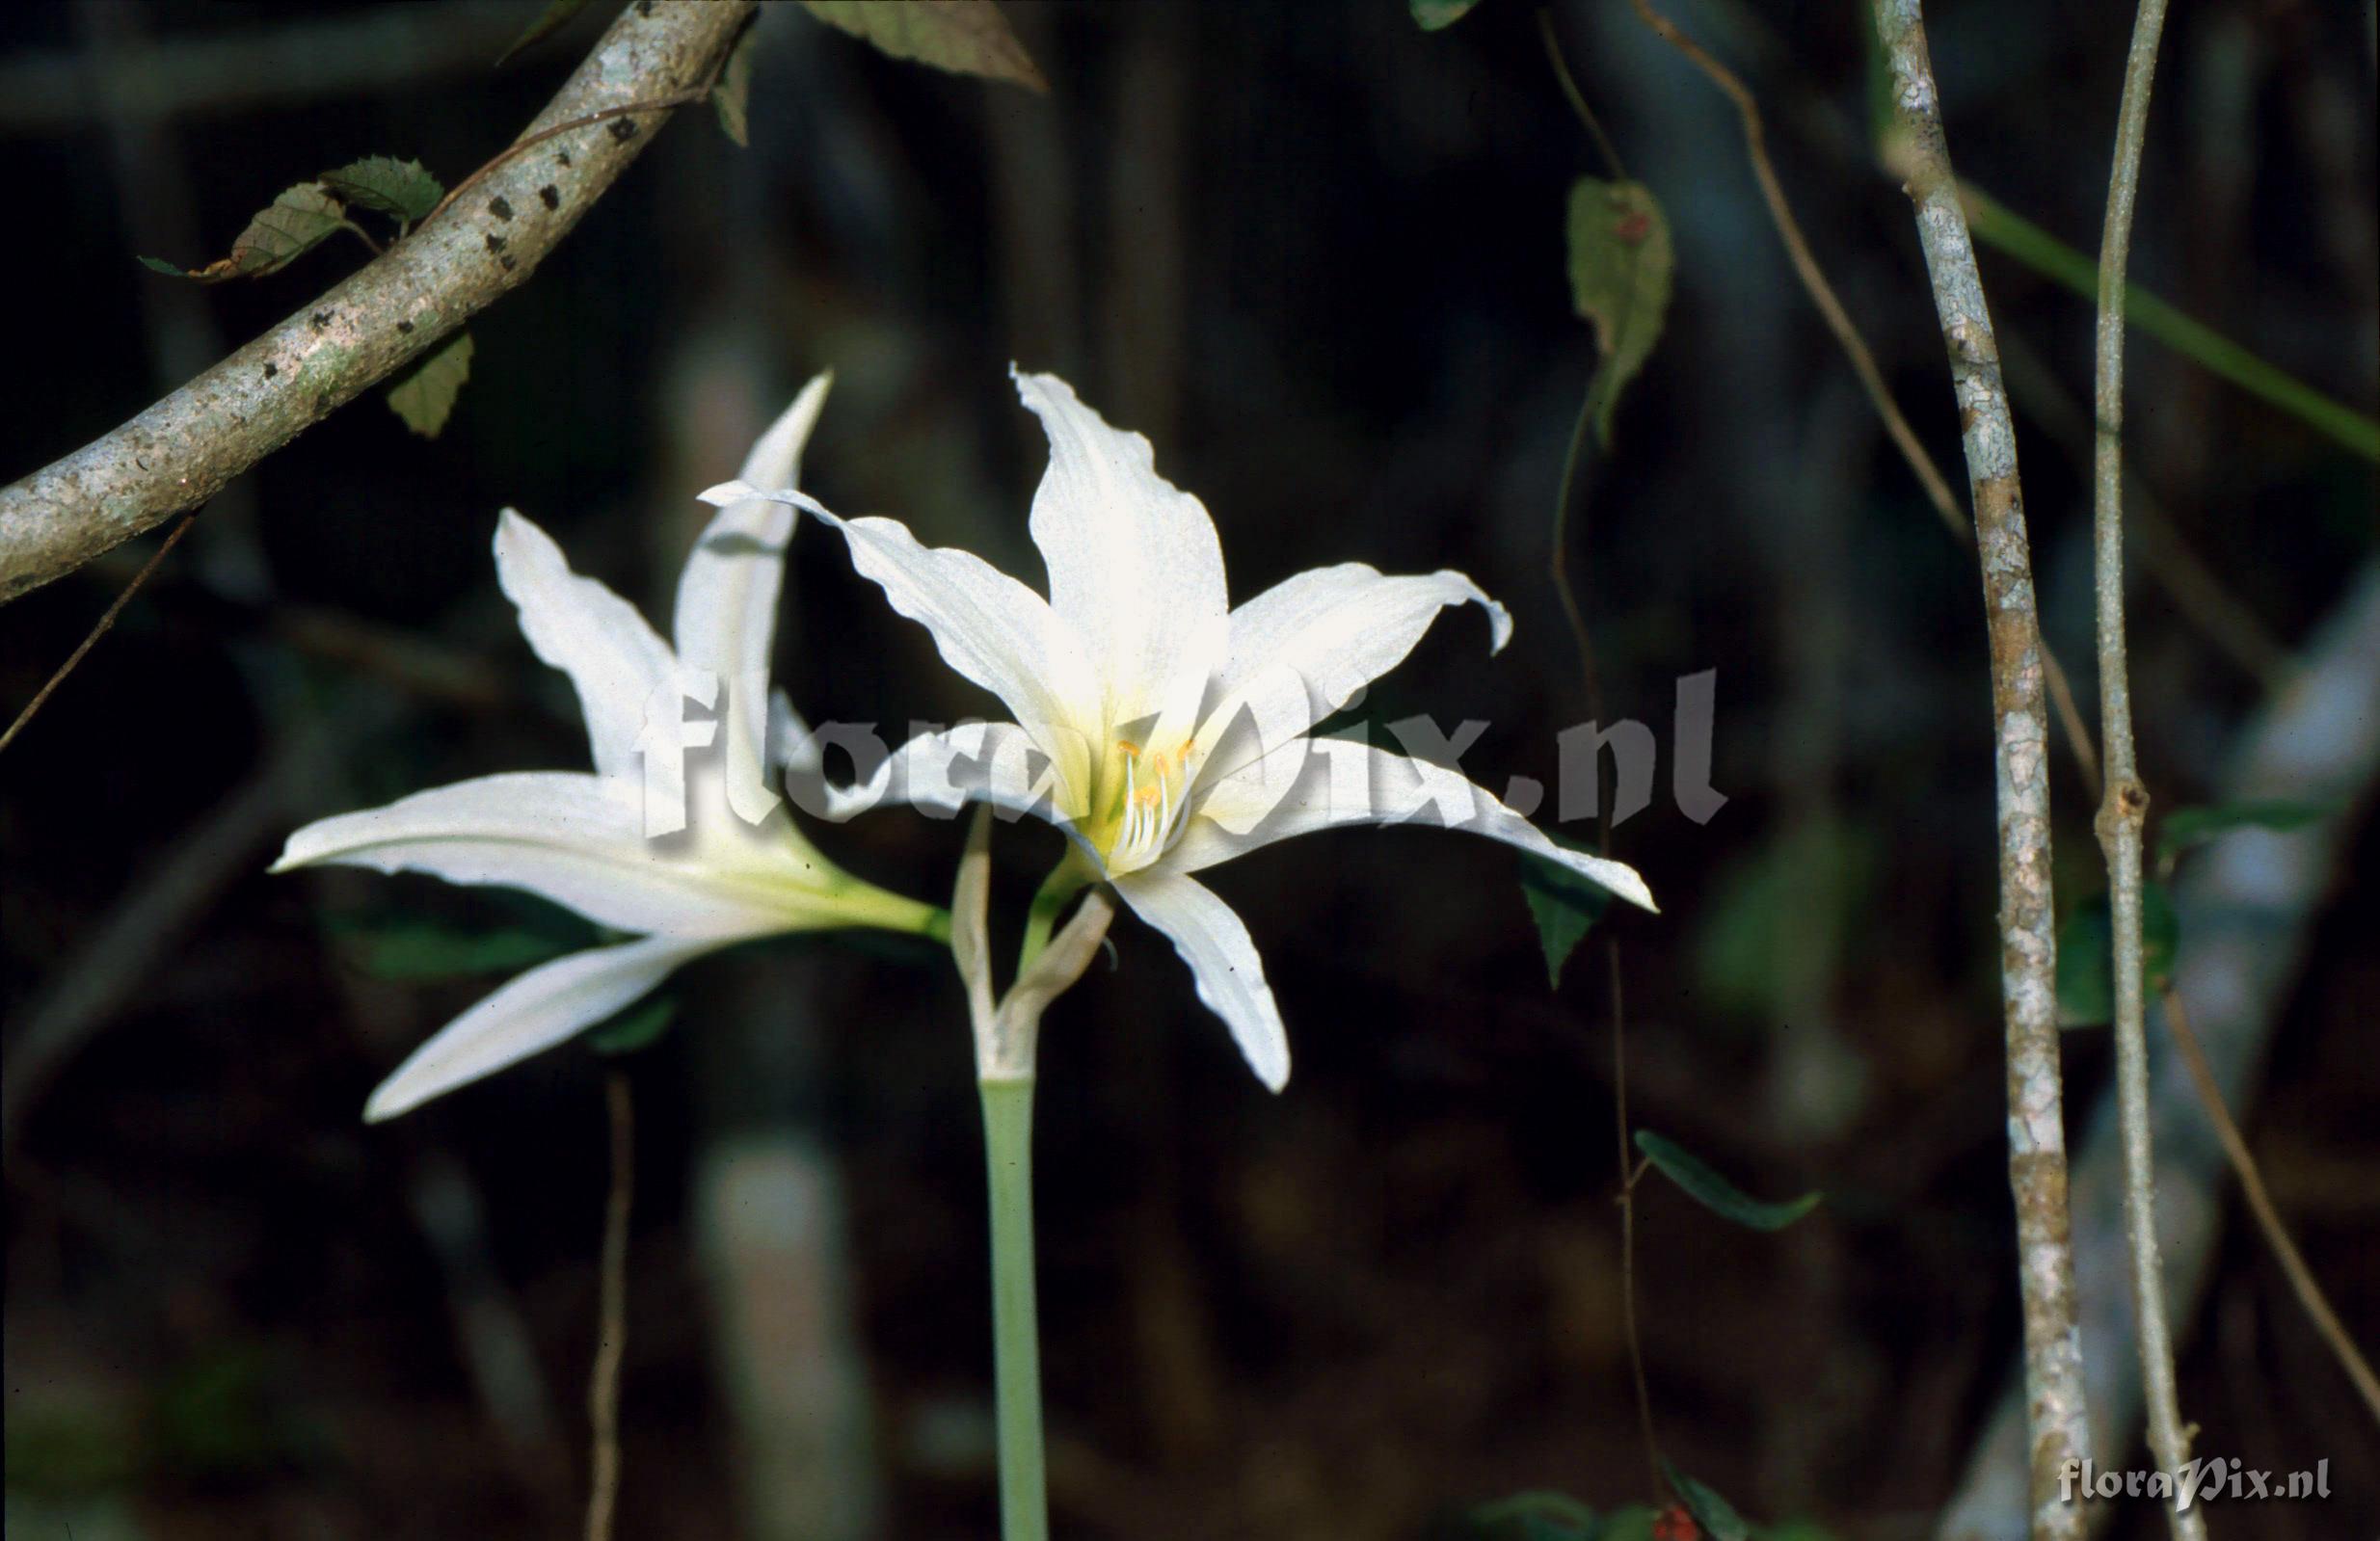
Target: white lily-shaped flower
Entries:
(1163, 729)
(694, 856)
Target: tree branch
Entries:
(2060, 1429)
(2124, 810)
(180, 451)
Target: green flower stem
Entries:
(1016, 1336)
(1070, 877)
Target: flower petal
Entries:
(1300, 650)
(727, 596)
(999, 763)
(613, 657)
(988, 625)
(575, 838)
(1331, 782)
(529, 1014)
(1222, 960)
(1135, 565)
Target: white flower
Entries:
(1162, 730)
(727, 865)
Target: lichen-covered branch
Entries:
(2123, 810)
(180, 451)
(2028, 942)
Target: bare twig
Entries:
(1578, 98)
(604, 1384)
(333, 57)
(2028, 938)
(2125, 808)
(178, 452)
(98, 629)
(2248, 905)
(2276, 1236)
(1854, 347)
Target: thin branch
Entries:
(2276, 1236)
(1578, 98)
(1558, 567)
(2054, 1393)
(2124, 809)
(98, 629)
(2250, 905)
(603, 1383)
(1854, 347)
(180, 451)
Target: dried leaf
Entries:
(402, 189)
(968, 37)
(551, 20)
(426, 396)
(1621, 263)
(732, 97)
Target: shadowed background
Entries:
(1315, 254)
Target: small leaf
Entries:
(161, 265)
(731, 98)
(2086, 954)
(2186, 827)
(386, 185)
(422, 950)
(1435, 15)
(634, 1029)
(551, 20)
(1716, 1193)
(966, 37)
(426, 396)
(1715, 1514)
(1621, 263)
(1565, 906)
(298, 220)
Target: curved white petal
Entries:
(1332, 783)
(1222, 959)
(1135, 565)
(986, 624)
(1300, 650)
(577, 840)
(727, 596)
(529, 1014)
(614, 659)
(998, 763)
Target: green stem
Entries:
(1996, 226)
(1016, 1337)
(1070, 877)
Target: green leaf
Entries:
(1715, 1514)
(2087, 949)
(1549, 1516)
(1621, 263)
(424, 950)
(551, 20)
(1774, 933)
(426, 396)
(1434, 16)
(386, 185)
(2186, 827)
(732, 97)
(1716, 1193)
(1564, 905)
(634, 1029)
(298, 220)
(966, 37)
(161, 265)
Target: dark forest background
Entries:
(1315, 254)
